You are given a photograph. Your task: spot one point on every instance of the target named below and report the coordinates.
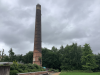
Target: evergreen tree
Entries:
(87, 59)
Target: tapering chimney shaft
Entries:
(37, 40)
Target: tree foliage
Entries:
(87, 59)
(70, 57)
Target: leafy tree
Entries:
(28, 58)
(97, 58)
(11, 54)
(6, 58)
(19, 57)
(87, 60)
(54, 49)
(50, 58)
(71, 57)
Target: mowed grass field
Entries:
(79, 73)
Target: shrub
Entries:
(12, 67)
(89, 71)
(30, 66)
(13, 72)
(34, 70)
(63, 70)
(1, 65)
(30, 70)
(25, 71)
(22, 66)
(51, 69)
(15, 63)
(27, 68)
(56, 70)
(37, 67)
(43, 69)
(20, 70)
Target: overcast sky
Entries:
(63, 22)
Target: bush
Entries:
(89, 71)
(43, 69)
(34, 70)
(13, 72)
(12, 67)
(22, 66)
(20, 70)
(36, 66)
(25, 71)
(27, 68)
(56, 70)
(1, 65)
(51, 69)
(30, 66)
(30, 70)
(63, 70)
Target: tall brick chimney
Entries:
(37, 54)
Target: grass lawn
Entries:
(79, 73)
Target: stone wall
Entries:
(34, 73)
(4, 70)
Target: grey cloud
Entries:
(27, 2)
(63, 22)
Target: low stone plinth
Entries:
(4, 70)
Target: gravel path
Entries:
(55, 73)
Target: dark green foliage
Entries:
(71, 57)
(87, 59)
(25, 71)
(13, 72)
(28, 58)
(23, 68)
(11, 55)
(50, 58)
(20, 70)
(6, 58)
(55, 70)
(97, 58)
(12, 67)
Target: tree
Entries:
(50, 58)
(6, 58)
(97, 57)
(11, 55)
(71, 57)
(28, 58)
(19, 57)
(87, 59)
(54, 49)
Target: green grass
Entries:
(79, 73)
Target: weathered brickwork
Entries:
(37, 40)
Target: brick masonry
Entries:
(37, 40)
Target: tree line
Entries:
(70, 57)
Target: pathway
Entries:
(55, 73)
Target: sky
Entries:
(63, 22)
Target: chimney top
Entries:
(38, 4)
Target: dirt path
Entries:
(56, 73)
